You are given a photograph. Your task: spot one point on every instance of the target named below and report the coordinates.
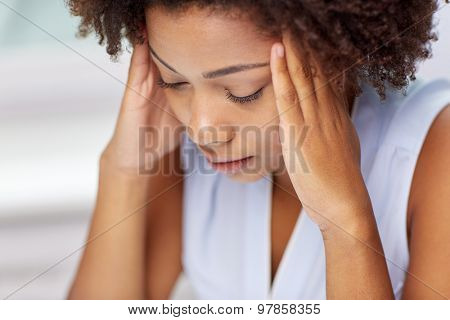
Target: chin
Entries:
(246, 177)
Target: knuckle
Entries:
(307, 72)
(303, 70)
(289, 96)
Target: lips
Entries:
(230, 166)
(228, 161)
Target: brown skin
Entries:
(152, 267)
(332, 189)
(428, 216)
(181, 42)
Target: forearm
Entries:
(113, 262)
(355, 263)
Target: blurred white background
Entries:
(59, 97)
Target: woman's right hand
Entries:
(146, 128)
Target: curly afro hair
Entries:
(378, 41)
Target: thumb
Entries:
(139, 63)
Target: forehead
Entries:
(201, 39)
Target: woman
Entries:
(336, 183)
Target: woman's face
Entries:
(230, 113)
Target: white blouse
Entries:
(226, 224)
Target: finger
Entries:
(301, 75)
(331, 102)
(286, 97)
(139, 64)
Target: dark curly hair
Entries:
(378, 41)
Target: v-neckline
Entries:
(257, 247)
(272, 286)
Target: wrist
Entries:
(123, 188)
(360, 226)
(355, 214)
(109, 166)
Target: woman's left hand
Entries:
(320, 145)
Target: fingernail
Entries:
(280, 50)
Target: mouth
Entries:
(229, 166)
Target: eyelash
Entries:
(246, 99)
(161, 83)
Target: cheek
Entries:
(262, 114)
(271, 145)
(276, 147)
(271, 105)
(275, 157)
(270, 123)
(179, 108)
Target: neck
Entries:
(282, 181)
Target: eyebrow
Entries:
(219, 72)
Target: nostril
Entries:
(217, 142)
(211, 138)
(214, 140)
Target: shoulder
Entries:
(415, 112)
(429, 206)
(427, 128)
(432, 171)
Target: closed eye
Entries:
(245, 99)
(165, 85)
(161, 83)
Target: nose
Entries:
(208, 125)
(211, 136)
